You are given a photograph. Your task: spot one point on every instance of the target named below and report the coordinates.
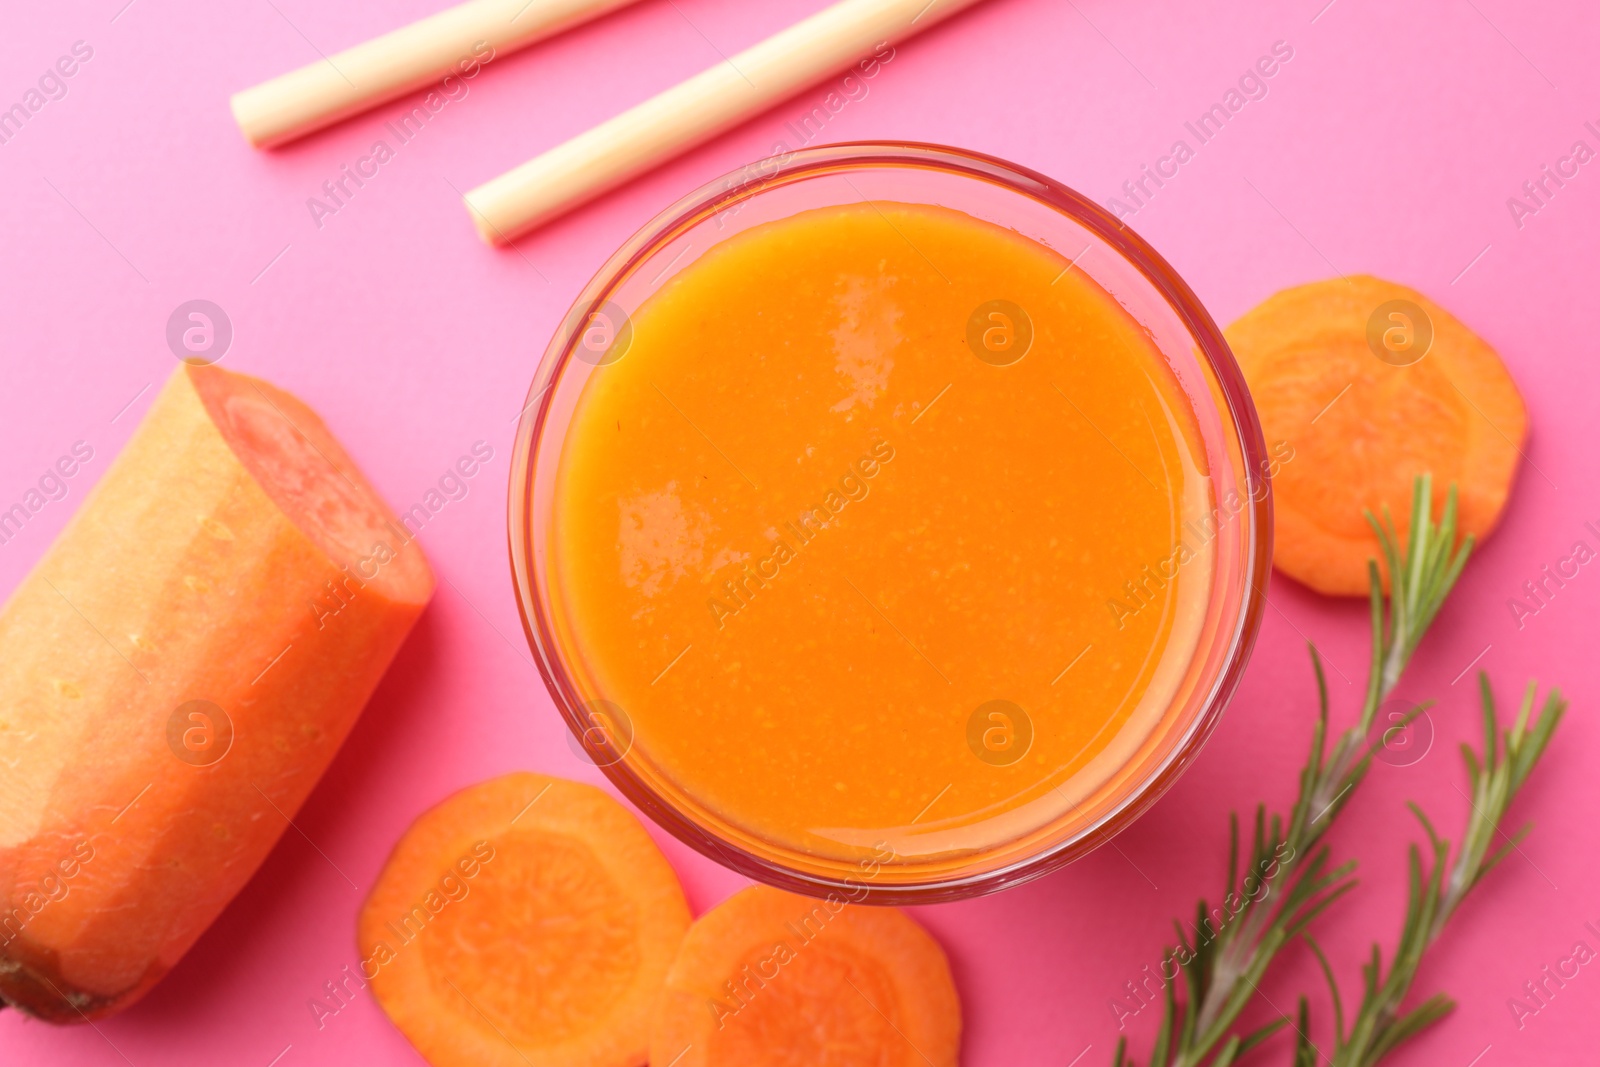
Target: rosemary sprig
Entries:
(1232, 946)
(1496, 776)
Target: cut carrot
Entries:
(1372, 384)
(768, 977)
(179, 669)
(525, 922)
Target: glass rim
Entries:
(1211, 349)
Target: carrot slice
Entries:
(527, 922)
(768, 977)
(1372, 384)
(178, 671)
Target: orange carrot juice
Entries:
(862, 533)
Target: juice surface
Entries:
(862, 533)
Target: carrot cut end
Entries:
(306, 472)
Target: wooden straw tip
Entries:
(487, 230)
(247, 114)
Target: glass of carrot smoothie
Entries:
(888, 520)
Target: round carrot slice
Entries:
(1372, 384)
(768, 977)
(527, 922)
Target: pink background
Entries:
(1389, 144)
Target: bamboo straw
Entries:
(695, 111)
(457, 40)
